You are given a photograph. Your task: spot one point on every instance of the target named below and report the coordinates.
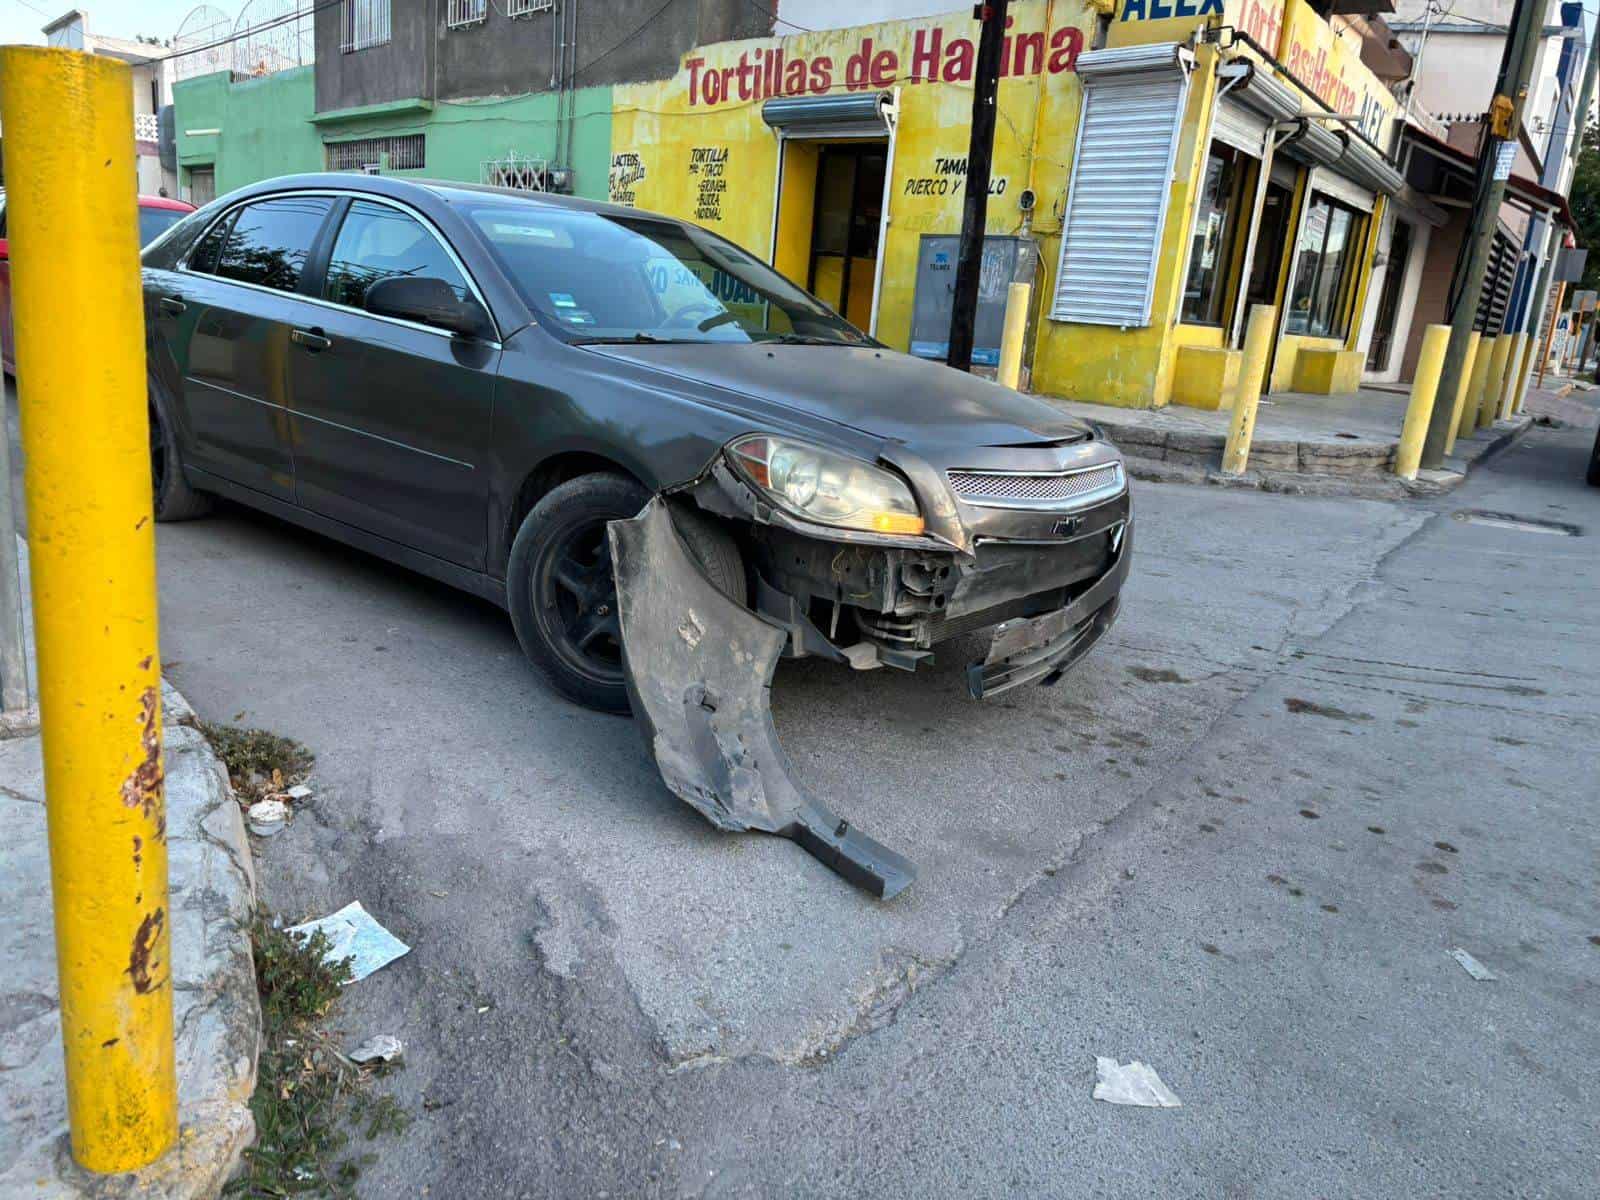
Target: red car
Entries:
(157, 214)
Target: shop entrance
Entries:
(830, 216)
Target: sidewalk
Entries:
(1304, 444)
(216, 1014)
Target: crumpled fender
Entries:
(699, 674)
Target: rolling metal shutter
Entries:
(1133, 100)
(1237, 126)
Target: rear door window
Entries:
(377, 242)
(270, 241)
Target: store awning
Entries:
(1520, 190)
(863, 114)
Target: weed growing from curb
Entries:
(308, 1094)
(259, 763)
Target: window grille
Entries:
(526, 8)
(517, 171)
(406, 153)
(366, 23)
(463, 13)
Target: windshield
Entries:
(600, 277)
(153, 222)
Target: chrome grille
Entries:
(988, 487)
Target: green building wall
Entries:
(265, 127)
(270, 126)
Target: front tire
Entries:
(173, 498)
(563, 597)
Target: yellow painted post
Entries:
(1489, 397)
(79, 325)
(1242, 425)
(1012, 333)
(1469, 369)
(1480, 374)
(1518, 372)
(1423, 389)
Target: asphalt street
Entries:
(1328, 742)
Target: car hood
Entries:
(920, 404)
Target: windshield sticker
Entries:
(562, 300)
(577, 316)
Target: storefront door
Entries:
(1267, 264)
(844, 228)
(1389, 299)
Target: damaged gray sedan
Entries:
(669, 464)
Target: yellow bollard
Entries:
(1510, 401)
(1480, 374)
(79, 324)
(1494, 381)
(1012, 333)
(1242, 425)
(1469, 366)
(1423, 388)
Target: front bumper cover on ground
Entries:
(699, 672)
(699, 667)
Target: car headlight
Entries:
(825, 487)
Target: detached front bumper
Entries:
(699, 664)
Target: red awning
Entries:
(1531, 193)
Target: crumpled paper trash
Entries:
(383, 1047)
(1473, 967)
(353, 934)
(1132, 1084)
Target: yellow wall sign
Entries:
(695, 145)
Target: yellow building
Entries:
(1157, 170)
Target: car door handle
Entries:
(171, 304)
(311, 339)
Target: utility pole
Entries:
(1580, 126)
(1494, 167)
(975, 209)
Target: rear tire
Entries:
(173, 498)
(561, 592)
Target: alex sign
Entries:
(875, 63)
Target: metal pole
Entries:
(975, 209)
(70, 211)
(1424, 392)
(1242, 424)
(1544, 352)
(1506, 114)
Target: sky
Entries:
(21, 20)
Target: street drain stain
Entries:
(1504, 520)
(1210, 949)
(1309, 815)
(1156, 675)
(1433, 868)
(1446, 847)
(1312, 708)
(1375, 829)
(1330, 908)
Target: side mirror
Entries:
(428, 301)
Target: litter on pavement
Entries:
(1473, 967)
(266, 817)
(384, 1047)
(1131, 1084)
(353, 934)
(299, 792)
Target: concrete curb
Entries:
(1324, 469)
(216, 1011)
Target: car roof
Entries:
(448, 190)
(165, 202)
